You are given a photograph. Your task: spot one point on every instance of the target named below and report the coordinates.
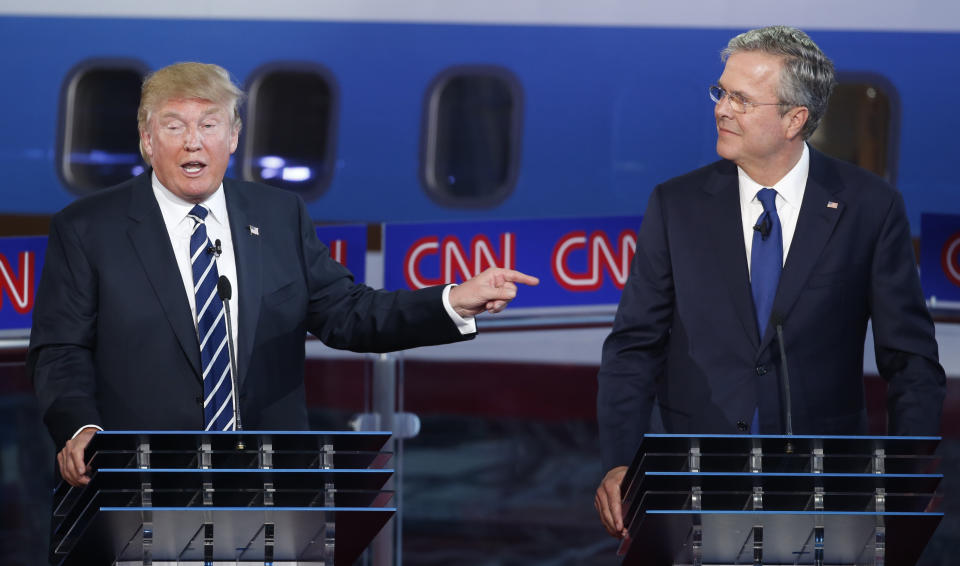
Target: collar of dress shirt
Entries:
(790, 188)
(175, 209)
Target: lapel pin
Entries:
(254, 230)
(832, 204)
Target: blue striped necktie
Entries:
(766, 263)
(211, 329)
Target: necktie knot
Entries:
(767, 198)
(198, 213)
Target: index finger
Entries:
(79, 466)
(616, 510)
(67, 470)
(518, 277)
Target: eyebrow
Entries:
(176, 115)
(739, 93)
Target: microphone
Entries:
(784, 379)
(763, 226)
(215, 250)
(226, 293)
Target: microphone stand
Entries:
(225, 291)
(785, 386)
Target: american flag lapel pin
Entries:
(832, 204)
(254, 230)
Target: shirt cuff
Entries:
(466, 325)
(79, 430)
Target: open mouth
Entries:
(193, 167)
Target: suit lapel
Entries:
(249, 262)
(727, 237)
(815, 224)
(148, 234)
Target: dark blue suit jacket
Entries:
(113, 340)
(685, 335)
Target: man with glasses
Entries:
(774, 242)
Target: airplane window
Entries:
(862, 124)
(471, 142)
(98, 143)
(289, 133)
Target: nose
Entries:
(722, 109)
(191, 139)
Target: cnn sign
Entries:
(580, 261)
(21, 260)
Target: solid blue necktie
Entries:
(211, 329)
(766, 263)
(766, 258)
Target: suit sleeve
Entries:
(60, 358)
(634, 353)
(903, 332)
(351, 316)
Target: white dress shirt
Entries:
(179, 228)
(790, 191)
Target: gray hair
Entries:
(188, 80)
(807, 78)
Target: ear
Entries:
(234, 139)
(796, 117)
(146, 143)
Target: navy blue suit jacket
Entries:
(685, 335)
(113, 340)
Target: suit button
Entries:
(761, 370)
(741, 426)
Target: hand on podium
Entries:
(607, 501)
(73, 467)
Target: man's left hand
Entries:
(489, 291)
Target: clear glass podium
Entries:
(751, 499)
(247, 497)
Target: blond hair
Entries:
(204, 81)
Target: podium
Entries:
(237, 497)
(755, 499)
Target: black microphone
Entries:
(763, 227)
(224, 289)
(226, 293)
(777, 320)
(215, 250)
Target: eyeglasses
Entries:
(738, 103)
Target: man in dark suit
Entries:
(129, 328)
(776, 236)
